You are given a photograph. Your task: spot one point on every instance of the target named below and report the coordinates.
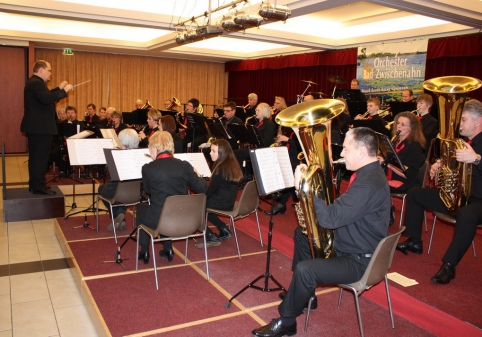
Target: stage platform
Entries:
(124, 302)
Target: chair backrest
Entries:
(423, 173)
(249, 200)
(380, 261)
(182, 215)
(128, 192)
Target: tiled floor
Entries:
(38, 295)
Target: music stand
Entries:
(240, 113)
(88, 152)
(265, 160)
(388, 152)
(217, 129)
(195, 122)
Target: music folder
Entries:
(89, 151)
(272, 169)
(126, 164)
(217, 129)
(388, 152)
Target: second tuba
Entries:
(453, 178)
(311, 122)
(174, 102)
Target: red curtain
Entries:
(282, 76)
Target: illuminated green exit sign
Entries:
(68, 51)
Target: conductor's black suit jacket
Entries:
(165, 177)
(39, 114)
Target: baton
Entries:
(81, 83)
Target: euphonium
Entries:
(453, 178)
(200, 109)
(174, 102)
(146, 105)
(311, 121)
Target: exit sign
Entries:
(68, 51)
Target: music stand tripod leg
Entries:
(267, 275)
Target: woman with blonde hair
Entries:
(163, 177)
(153, 117)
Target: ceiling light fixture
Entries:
(248, 20)
(272, 12)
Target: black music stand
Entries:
(388, 152)
(195, 123)
(240, 113)
(217, 129)
(136, 117)
(258, 167)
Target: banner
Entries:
(385, 70)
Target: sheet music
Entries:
(129, 163)
(197, 160)
(274, 168)
(87, 151)
(81, 135)
(110, 133)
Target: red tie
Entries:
(352, 178)
(469, 142)
(420, 118)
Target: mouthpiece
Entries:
(340, 161)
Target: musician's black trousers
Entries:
(468, 217)
(38, 159)
(308, 273)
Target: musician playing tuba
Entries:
(469, 216)
(360, 217)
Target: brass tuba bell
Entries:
(174, 102)
(311, 122)
(453, 178)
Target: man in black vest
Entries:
(39, 123)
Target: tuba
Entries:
(146, 105)
(453, 178)
(311, 122)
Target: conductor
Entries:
(38, 123)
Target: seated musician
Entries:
(153, 117)
(102, 111)
(71, 112)
(308, 98)
(355, 85)
(195, 134)
(278, 105)
(467, 217)
(407, 96)
(117, 122)
(163, 177)
(267, 132)
(107, 121)
(409, 147)
(61, 115)
(250, 109)
(230, 118)
(429, 123)
(167, 123)
(91, 118)
(139, 104)
(360, 224)
(128, 140)
(373, 104)
(222, 190)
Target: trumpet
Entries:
(364, 116)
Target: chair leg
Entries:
(425, 220)
(401, 213)
(308, 313)
(259, 229)
(236, 237)
(473, 248)
(357, 304)
(206, 255)
(154, 261)
(97, 214)
(185, 253)
(113, 224)
(431, 234)
(137, 248)
(339, 297)
(389, 302)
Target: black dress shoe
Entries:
(45, 191)
(275, 329)
(279, 208)
(314, 303)
(445, 274)
(143, 256)
(224, 233)
(411, 246)
(167, 254)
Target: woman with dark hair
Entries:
(222, 190)
(167, 123)
(409, 146)
(153, 117)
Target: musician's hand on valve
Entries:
(282, 138)
(434, 168)
(300, 169)
(467, 155)
(357, 117)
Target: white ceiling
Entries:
(147, 27)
